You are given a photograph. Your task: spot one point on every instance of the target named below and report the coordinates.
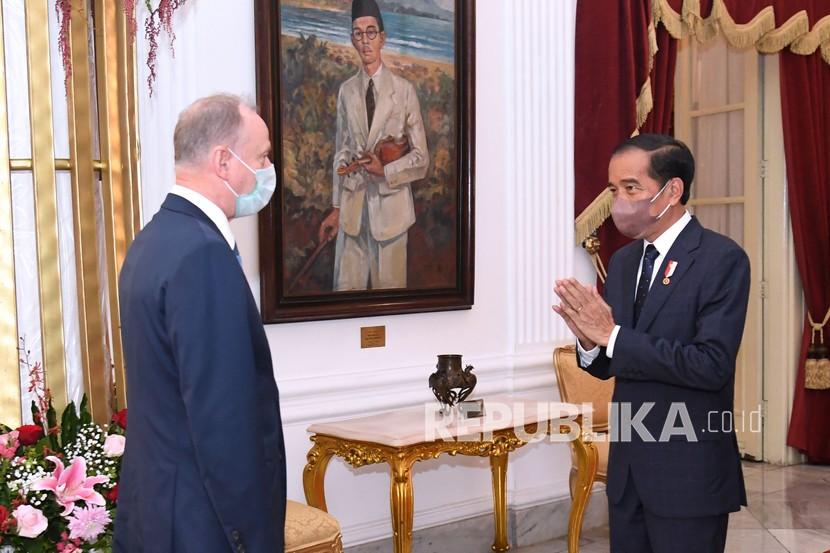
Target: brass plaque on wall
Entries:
(372, 337)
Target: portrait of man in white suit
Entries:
(373, 206)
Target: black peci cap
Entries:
(364, 8)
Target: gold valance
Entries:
(760, 33)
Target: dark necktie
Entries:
(645, 280)
(236, 253)
(370, 102)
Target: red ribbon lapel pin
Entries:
(670, 267)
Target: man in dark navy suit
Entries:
(204, 467)
(668, 329)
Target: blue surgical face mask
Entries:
(252, 202)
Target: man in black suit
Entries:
(204, 467)
(668, 329)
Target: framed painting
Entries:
(370, 104)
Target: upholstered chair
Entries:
(577, 386)
(310, 530)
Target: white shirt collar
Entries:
(213, 211)
(365, 77)
(664, 242)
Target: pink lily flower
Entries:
(72, 484)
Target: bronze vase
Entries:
(450, 383)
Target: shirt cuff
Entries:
(587, 356)
(609, 349)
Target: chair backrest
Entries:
(578, 386)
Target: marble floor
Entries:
(789, 511)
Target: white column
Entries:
(540, 114)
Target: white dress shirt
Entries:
(365, 78)
(213, 211)
(663, 244)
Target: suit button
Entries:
(235, 535)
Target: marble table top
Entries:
(424, 423)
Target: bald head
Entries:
(208, 122)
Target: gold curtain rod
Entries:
(60, 165)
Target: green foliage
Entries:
(84, 414)
(69, 424)
(52, 422)
(312, 78)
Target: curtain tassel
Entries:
(591, 245)
(817, 367)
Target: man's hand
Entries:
(586, 311)
(583, 340)
(560, 310)
(373, 165)
(329, 226)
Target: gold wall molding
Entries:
(117, 180)
(46, 215)
(10, 410)
(61, 164)
(90, 320)
(107, 180)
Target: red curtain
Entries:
(612, 54)
(612, 64)
(661, 118)
(805, 103)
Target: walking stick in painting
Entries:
(309, 263)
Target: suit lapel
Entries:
(683, 252)
(385, 100)
(358, 100)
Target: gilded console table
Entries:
(401, 438)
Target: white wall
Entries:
(524, 239)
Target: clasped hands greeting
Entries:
(585, 312)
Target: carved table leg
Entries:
(498, 467)
(402, 502)
(314, 476)
(585, 455)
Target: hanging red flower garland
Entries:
(63, 9)
(160, 17)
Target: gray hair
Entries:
(207, 122)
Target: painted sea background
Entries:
(316, 58)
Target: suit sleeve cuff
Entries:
(392, 177)
(609, 350)
(587, 356)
